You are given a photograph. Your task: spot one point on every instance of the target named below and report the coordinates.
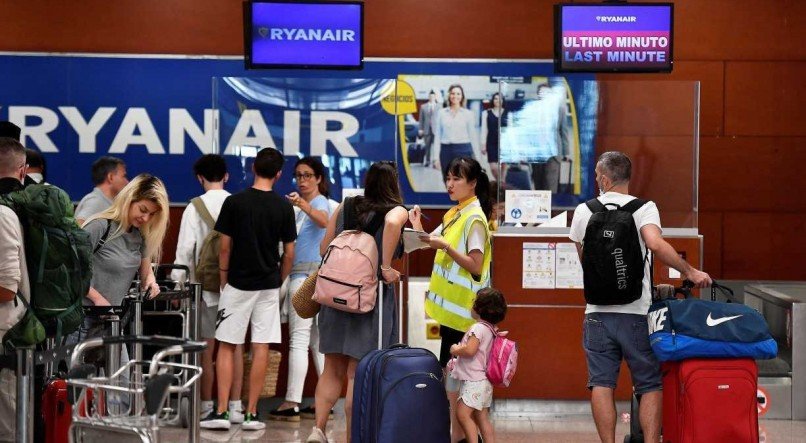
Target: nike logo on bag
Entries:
(713, 322)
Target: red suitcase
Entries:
(710, 400)
(56, 411)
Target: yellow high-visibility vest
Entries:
(453, 289)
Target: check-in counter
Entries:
(782, 381)
(547, 323)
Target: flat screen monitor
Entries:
(620, 37)
(303, 34)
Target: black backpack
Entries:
(612, 262)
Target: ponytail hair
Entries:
(470, 169)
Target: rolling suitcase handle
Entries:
(379, 306)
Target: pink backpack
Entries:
(502, 360)
(348, 277)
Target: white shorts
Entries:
(477, 394)
(207, 320)
(238, 309)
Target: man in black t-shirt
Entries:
(251, 223)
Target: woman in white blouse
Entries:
(456, 134)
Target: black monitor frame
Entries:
(247, 29)
(558, 40)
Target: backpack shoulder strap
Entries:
(104, 237)
(204, 213)
(634, 205)
(348, 213)
(595, 205)
(490, 327)
(378, 220)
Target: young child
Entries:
(470, 364)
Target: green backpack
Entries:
(59, 260)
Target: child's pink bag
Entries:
(502, 360)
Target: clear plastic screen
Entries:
(557, 127)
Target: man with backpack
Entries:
(13, 272)
(197, 248)
(252, 223)
(614, 234)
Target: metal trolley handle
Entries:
(170, 345)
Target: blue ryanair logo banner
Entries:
(159, 114)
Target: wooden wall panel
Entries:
(460, 28)
(393, 28)
(752, 174)
(124, 26)
(740, 30)
(765, 98)
(710, 226)
(764, 245)
(652, 107)
(709, 74)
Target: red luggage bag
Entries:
(56, 411)
(710, 400)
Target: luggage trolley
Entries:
(94, 421)
(178, 301)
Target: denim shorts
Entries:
(607, 339)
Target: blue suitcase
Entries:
(398, 396)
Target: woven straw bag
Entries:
(269, 388)
(303, 300)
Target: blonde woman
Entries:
(127, 238)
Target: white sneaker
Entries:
(251, 423)
(216, 421)
(236, 417)
(317, 436)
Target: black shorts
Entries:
(450, 337)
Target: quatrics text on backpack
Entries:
(612, 261)
(59, 255)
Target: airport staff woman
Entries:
(462, 264)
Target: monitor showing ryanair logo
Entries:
(283, 34)
(319, 35)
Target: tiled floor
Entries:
(557, 428)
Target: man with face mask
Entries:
(13, 270)
(615, 332)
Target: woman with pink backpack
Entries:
(482, 359)
(349, 333)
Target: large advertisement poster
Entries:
(525, 131)
(160, 114)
